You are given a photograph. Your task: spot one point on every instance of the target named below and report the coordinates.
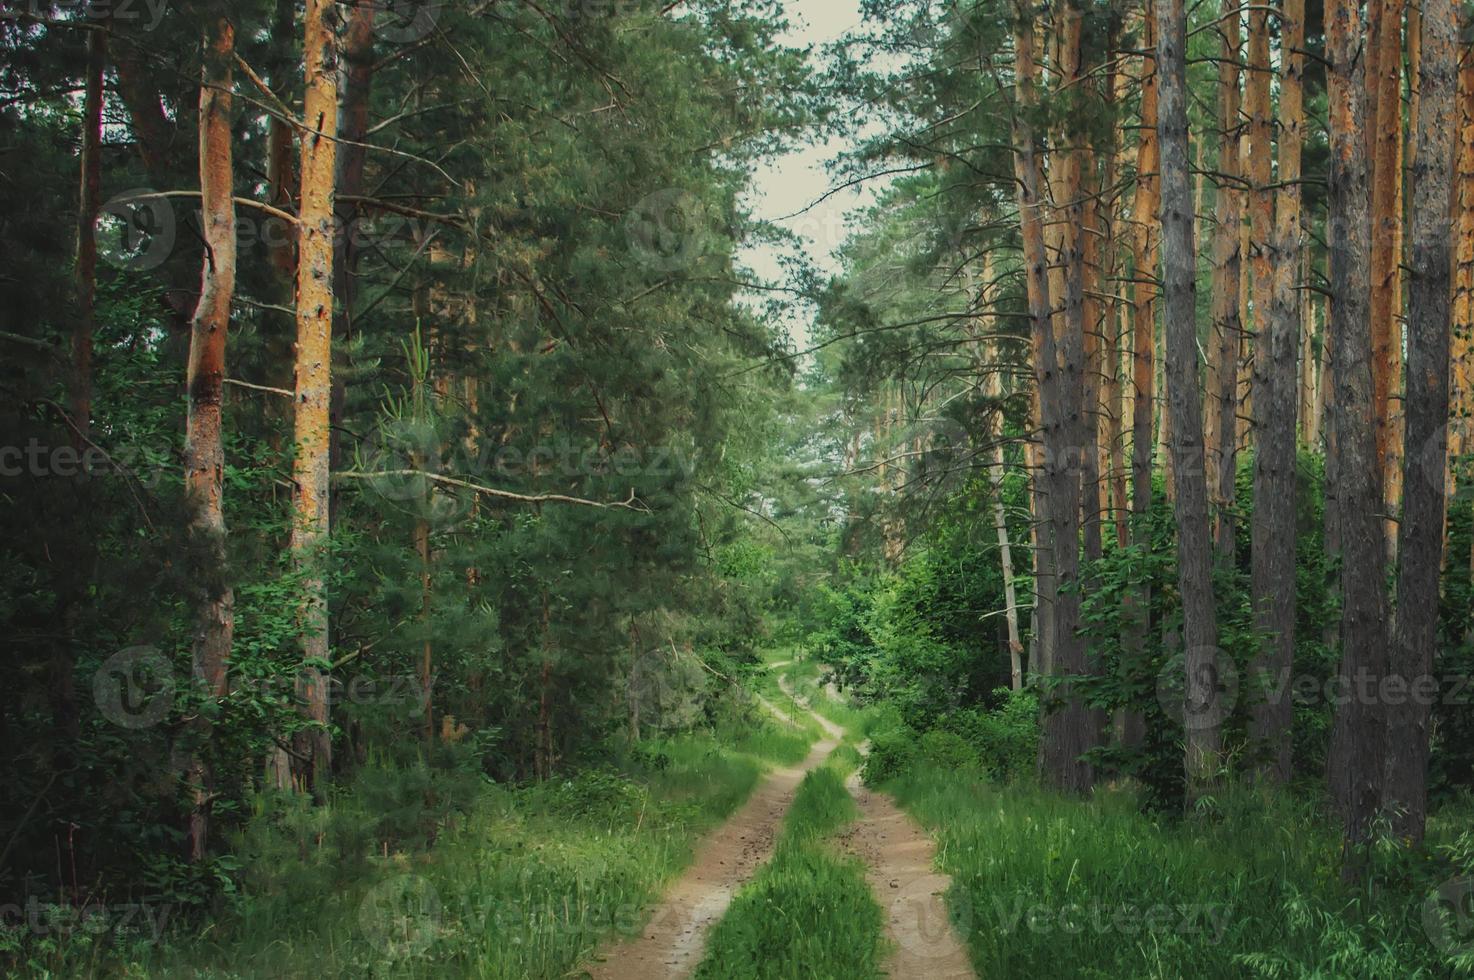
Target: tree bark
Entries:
(1274, 524)
(1202, 713)
(1222, 434)
(310, 468)
(89, 200)
(1384, 116)
(1462, 357)
(1421, 547)
(204, 452)
(1057, 373)
(1355, 760)
(1261, 204)
(281, 244)
(1130, 725)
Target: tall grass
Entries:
(1048, 886)
(808, 913)
(388, 879)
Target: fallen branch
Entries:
(631, 503)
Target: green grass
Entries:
(1048, 886)
(808, 913)
(411, 872)
(509, 883)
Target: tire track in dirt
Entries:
(672, 943)
(900, 859)
(899, 864)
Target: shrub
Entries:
(948, 750)
(892, 753)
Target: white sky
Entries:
(794, 181)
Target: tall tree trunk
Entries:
(993, 387)
(1421, 547)
(310, 469)
(1355, 760)
(1223, 369)
(204, 452)
(89, 201)
(353, 116)
(1274, 524)
(1261, 204)
(1308, 366)
(279, 171)
(1064, 737)
(1462, 357)
(1384, 116)
(1130, 724)
(1203, 709)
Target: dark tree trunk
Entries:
(1203, 709)
(1426, 407)
(1066, 721)
(1276, 404)
(1131, 726)
(1356, 752)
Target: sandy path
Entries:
(898, 858)
(672, 942)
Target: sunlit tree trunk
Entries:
(1421, 546)
(310, 469)
(1462, 357)
(1194, 549)
(204, 451)
(1384, 117)
(1308, 367)
(1223, 363)
(1274, 524)
(1355, 760)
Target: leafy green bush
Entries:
(1006, 739)
(948, 750)
(892, 753)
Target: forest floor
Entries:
(894, 855)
